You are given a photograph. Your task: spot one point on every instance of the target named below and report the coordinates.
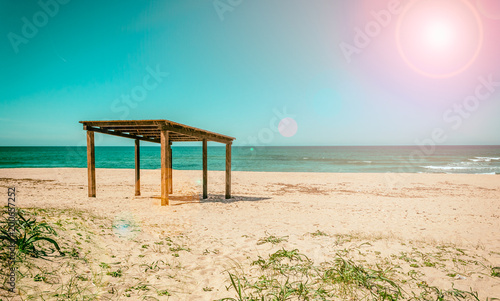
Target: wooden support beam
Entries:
(170, 182)
(127, 127)
(137, 168)
(114, 125)
(104, 131)
(91, 163)
(165, 164)
(150, 137)
(205, 169)
(197, 133)
(228, 170)
(137, 130)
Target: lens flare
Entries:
(440, 35)
(439, 38)
(125, 226)
(287, 127)
(489, 8)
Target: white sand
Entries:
(463, 210)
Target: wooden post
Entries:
(165, 158)
(228, 170)
(205, 170)
(91, 163)
(170, 182)
(137, 168)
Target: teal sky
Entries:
(236, 68)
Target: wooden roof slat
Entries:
(94, 129)
(149, 130)
(138, 130)
(115, 125)
(196, 133)
(157, 133)
(128, 129)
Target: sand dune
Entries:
(211, 237)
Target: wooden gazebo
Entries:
(160, 131)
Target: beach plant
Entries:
(39, 277)
(238, 287)
(104, 265)
(72, 290)
(495, 272)
(318, 233)
(154, 266)
(434, 293)
(376, 282)
(117, 273)
(295, 262)
(163, 293)
(272, 240)
(342, 238)
(291, 275)
(178, 248)
(27, 235)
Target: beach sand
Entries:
(195, 243)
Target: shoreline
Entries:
(251, 171)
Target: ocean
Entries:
(349, 159)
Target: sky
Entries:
(294, 72)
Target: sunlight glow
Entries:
(439, 38)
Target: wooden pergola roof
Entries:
(159, 131)
(150, 130)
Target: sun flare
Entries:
(440, 35)
(439, 38)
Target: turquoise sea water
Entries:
(442, 159)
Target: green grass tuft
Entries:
(272, 240)
(28, 235)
